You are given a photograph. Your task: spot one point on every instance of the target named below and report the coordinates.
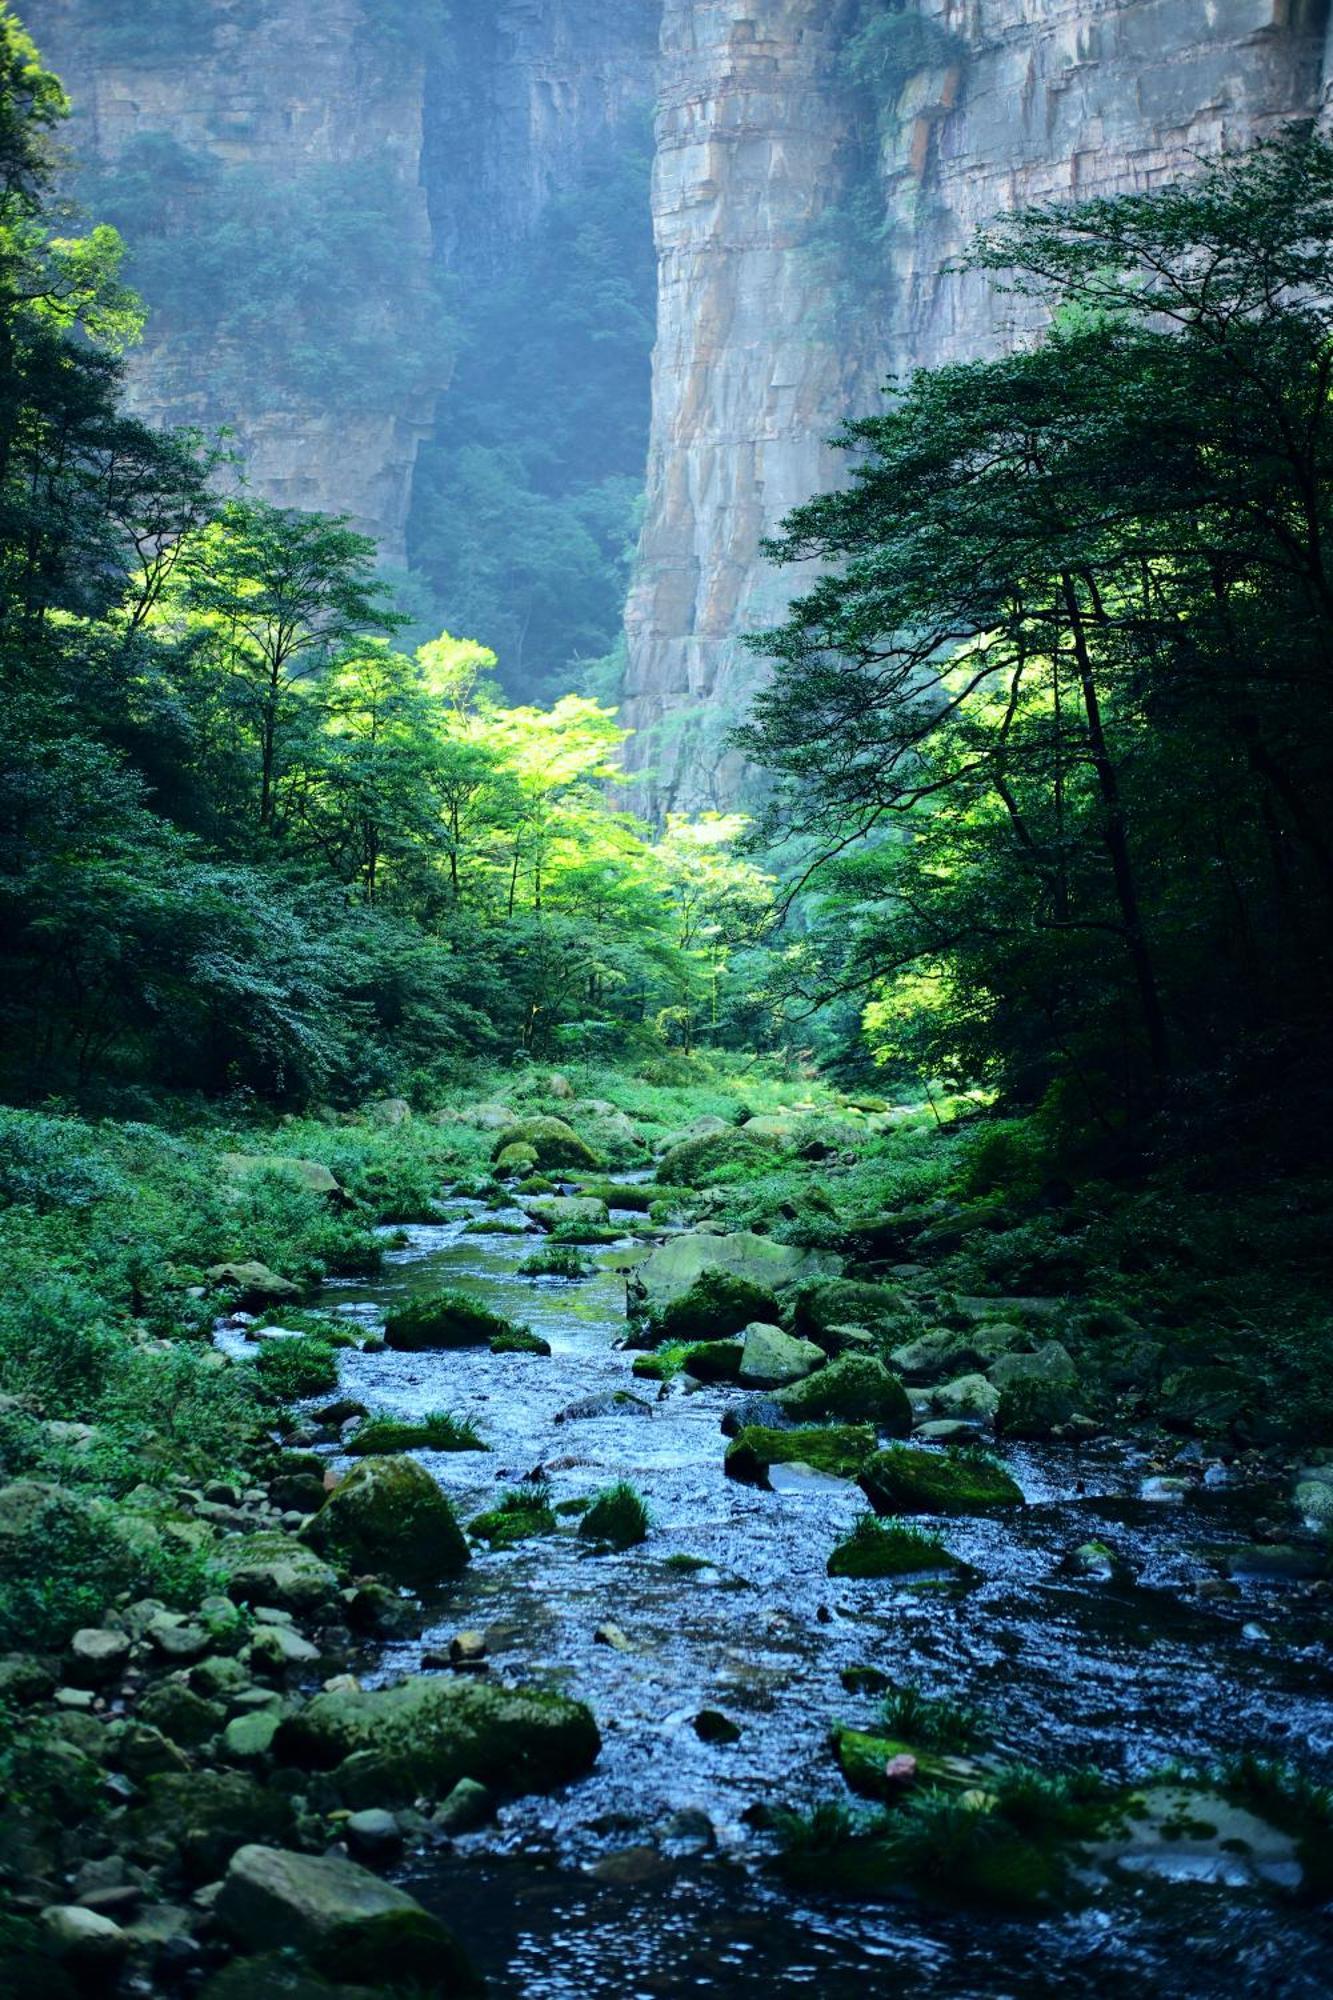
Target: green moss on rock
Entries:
(907, 1480)
(388, 1516)
(855, 1388)
(840, 1450)
(876, 1549)
(447, 1320)
(555, 1144)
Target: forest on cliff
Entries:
(408, 1148)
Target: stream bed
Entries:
(649, 1878)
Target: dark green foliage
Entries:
(517, 1516)
(291, 1369)
(557, 1261)
(449, 1319)
(64, 1559)
(908, 1479)
(440, 1431)
(840, 1450)
(931, 1723)
(616, 1520)
(713, 1360)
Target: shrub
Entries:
(617, 1519)
(289, 1370)
(557, 1260)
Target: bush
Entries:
(289, 1370)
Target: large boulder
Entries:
(192, 1824)
(771, 1359)
(556, 1144)
(942, 1353)
(760, 1262)
(1205, 1399)
(340, 1918)
(254, 1286)
(445, 1320)
(556, 1211)
(839, 1450)
(276, 1569)
(426, 1734)
(966, 1396)
(1051, 1363)
(388, 1516)
(1035, 1407)
(717, 1306)
(696, 1163)
(832, 1303)
(907, 1480)
(854, 1389)
(310, 1175)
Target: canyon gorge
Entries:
(809, 210)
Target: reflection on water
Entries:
(1068, 1671)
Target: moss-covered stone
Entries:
(829, 1303)
(712, 1360)
(388, 1516)
(520, 1340)
(875, 1550)
(840, 1450)
(1032, 1408)
(447, 1320)
(717, 1306)
(276, 1569)
(907, 1480)
(381, 1436)
(853, 1389)
(515, 1161)
(1208, 1399)
(773, 1268)
(555, 1144)
(427, 1734)
(697, 1163)
(193, 1824)
(519, 1518)
(861, 1757)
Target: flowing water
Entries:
(650, 1877)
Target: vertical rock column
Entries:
(756, 364)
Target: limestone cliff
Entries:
(1010, 101)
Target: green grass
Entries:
(617, 1519)
(557, 1261)
(874, 1548)
(927, 1723)
(289, 1370)
(440, 1431)
(519, 1514)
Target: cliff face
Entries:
(1011, 101)
(286, 97)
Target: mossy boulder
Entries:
(907, 1480)
(192, 1824)
(853, 1389)
(1206, 1399)
(559, 1211)
(840, 1450)
(519, 1519)
(339, 1918)
(711, 1360)
(772, 1359)
(770, 1268)
(1033, 1408)
(389, 1517)
(309, 1175)
(942, 1353)
(276, 1569)
(428, 1733)
(556, 1145)
(446, 1320)
(520, 1340)
(966, 1396)
(697, 1163)
(877, 1549)
(253, 1286)
(516, 1161)
(828, 1304)
(1050, 1363)
(862, 1757)
(717, 1306)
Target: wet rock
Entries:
(1097, 1563)
(894, 1550)
(611, 1635)
(84, 1940)
(301, 1493)
(450, 1319)
(556, 1144)
(340, 1917)
(906, 1480)
(254, 1285)
(865, 1680)
(178, 1638)
(374, 1836)
(946, 1430)
(248, 1739)
(613, 1403)
(1035, 1408)
(1314, 1501)
(828, 1305)
(714, 1360)
(631, 1867)
(467, 1651)
(468, 1807)
(521, 1340)
(837, 1450)
(194, 1824)
(1051, 1363)
(275, 1651)
(711, 1726)
(1162, 1486)
(559, 1211)
(1276, 1563)
(375, 1610)
(942, 1353)
(877, 1767)
(771, 1359)
(427, 1734)
(767, 1267)
(271, 1568)
(686, 1834)
(390, 1516)
(853, 1388)
(97, 1656)
(966, 1396)
(756, 1412)
(181, 1714)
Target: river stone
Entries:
(556, 1144)
(1051, 1363)
(195, 1823)
(837, 1450)
(907, 1480)
(1035, 1407)
(83, 1939)
(515, 1161)
(254, 1284)
(248, 1738)
(446, 1320)
(144, 1752)
(713, 1360)
(340, 1917)
(1314, 1500)
(468, 1806)
(271, 1568)
(181, 1714)
(771, 1267)
(822, 1309)
(388, 1516)
(373, 1835)
(755, 1412)
(426, 1734)
(771, 1359)
(310, 1175)
(696, 1163)
(853, 1388)
(966, 1396)
(97, 1656)
(1204, 1399)
(557, 1211)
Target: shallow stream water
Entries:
(648, 1878)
